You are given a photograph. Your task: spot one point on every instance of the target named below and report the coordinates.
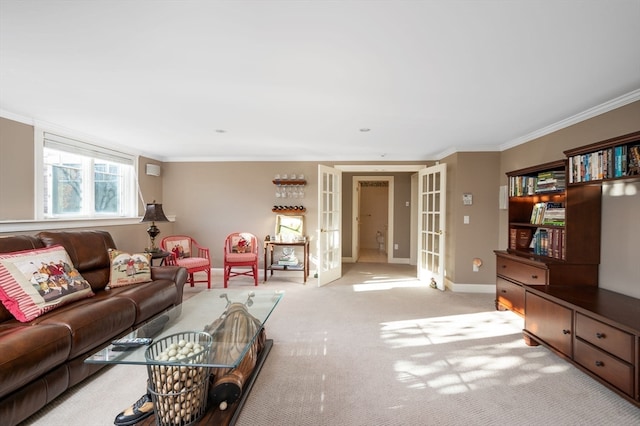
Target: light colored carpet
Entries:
(378, 348)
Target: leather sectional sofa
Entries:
(42, 358)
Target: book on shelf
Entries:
(554, 214)
(549, 242)
(522, 185)
(288, 261)
(552, 180)
(608, 163)
(634, 160)
(549, 213)
(519, 238)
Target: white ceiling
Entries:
(297, 80)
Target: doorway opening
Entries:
(373, 214)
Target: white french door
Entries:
(432, 190)
(330, 224)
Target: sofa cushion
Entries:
(33, 282)
(149, 298)
(127, 269)
(28, 352)
(93, 322)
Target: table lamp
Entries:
(153, 213)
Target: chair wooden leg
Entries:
(209, 278)
(191, 280)
(255, 275)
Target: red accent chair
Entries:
(240, 251)
(186, 252)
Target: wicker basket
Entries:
(178, 391)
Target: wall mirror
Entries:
(289, 228)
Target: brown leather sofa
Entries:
(40, 359)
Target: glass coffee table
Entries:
(217, 315)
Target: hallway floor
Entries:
(372, 256)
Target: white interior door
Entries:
(432, 189)
(356, 224)
(330, 224)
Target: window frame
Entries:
(80, 145)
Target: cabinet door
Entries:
(549, 322)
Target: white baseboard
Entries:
(404, 260)
(469, 288)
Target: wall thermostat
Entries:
(467, 199)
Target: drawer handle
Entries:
(600, 335)
(535, 277)
(599, 364)
(503, 291)
(503, 266)
(565, 331)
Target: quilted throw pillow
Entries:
(127, 269)
(33, 282)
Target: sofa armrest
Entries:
(177, 274)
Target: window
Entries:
(80, 180)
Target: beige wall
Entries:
(474, 173)
(150, 186)
(16, 170)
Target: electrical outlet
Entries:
(395, 246)
(466, 220)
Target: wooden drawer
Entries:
(510, 295)
(605, 366)
(606, 337)
(521, 272)
(550, 322)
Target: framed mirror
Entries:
(289, 228)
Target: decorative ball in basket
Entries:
(179, 391)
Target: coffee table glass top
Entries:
(195, 315)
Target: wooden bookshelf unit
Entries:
(553, 281)
(570, 252)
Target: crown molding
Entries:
(575, 119)
(379, 167)
(16, 117)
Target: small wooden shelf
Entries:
(270, 264)
(282, 182)
(290, 212)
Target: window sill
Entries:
(51, 224)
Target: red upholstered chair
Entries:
(240, 251)
(186, 252)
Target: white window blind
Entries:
(85, 149)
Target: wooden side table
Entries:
(269, 264)
(162, 255)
